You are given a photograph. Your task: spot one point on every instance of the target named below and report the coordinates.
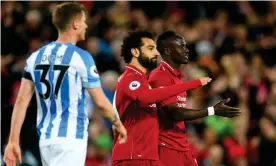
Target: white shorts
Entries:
(65, 154)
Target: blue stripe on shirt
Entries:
(64, 90)
(81, 117)
(53, 106)
(39, 89)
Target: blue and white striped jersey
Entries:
(61, 73)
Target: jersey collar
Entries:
(165, 66)
(134, 69)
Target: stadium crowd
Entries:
(234, 43)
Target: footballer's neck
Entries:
(67, 37)
(136, 64)
(171, 63)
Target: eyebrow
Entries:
(150, 46)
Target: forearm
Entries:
(182, 114)
(109, 113)
(18, 116)
(156, 95)
(104, 105)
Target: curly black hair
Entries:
(161, 40)
(133, 40)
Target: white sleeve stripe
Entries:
(76, 59)
(31, 62)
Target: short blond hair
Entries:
(64, 13)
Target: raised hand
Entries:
(225, 111)
(205, 80)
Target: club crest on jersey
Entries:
(134, 85)
(94, 72)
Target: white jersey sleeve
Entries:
(28, 70)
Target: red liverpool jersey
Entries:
(172, 134)
(140, 120)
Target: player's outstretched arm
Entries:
(150, 96)
(219, 109)
(109, 113)
(12, 151)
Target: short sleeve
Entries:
(88, 71)
(28, 68)
(133, 86)
(159, 80)
(27, 75)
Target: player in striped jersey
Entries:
(60, 72)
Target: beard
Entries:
(148, 63)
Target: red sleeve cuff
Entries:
(197, 82)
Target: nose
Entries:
(157, 53)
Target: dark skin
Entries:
(176, 53)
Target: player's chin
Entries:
(154, 60)
(184, 61)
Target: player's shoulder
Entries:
(130, 81)
(127, 77)
(83, 53)
(158, 73)
(35, 53)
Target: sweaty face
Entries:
(148, 54)
(81, 30)
(179, 52)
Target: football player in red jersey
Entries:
(173, 146)
(135, 102)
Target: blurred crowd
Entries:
(234, 43)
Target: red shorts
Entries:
(137, 163)
(171, 157)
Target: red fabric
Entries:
(160, 94)
(171, 134)
(253, 151)
(234, 150)
(171, 157)
(144, 94)
(137, 163)
(135, 102)
(200, 154)
(140, 121)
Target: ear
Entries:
(75, 24)
(135, 52)
(167, 51)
